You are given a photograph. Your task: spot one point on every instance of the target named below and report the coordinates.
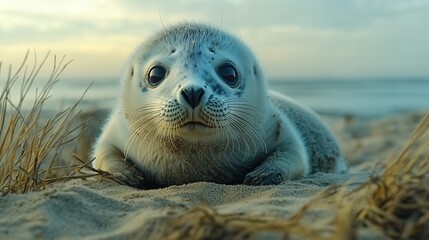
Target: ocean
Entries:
(364, 98)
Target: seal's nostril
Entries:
(192, 96)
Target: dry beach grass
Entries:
(392, 203)
(31, 150)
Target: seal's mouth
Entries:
(194, 125)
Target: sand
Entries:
(101, 209)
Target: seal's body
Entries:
(194, 106)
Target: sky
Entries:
(292, 38)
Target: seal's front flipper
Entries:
(122, 170)
(130, 176)
(277, 168)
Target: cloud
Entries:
(292, 38)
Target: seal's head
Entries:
(194, 83)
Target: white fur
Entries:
(256, 141)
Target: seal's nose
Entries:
(192, 96)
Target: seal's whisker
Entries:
(245, 108)
(149, 133)
(143, 113)
(165, 38)
(251, 132)
(255, 124)
(244, 134)
(238, 110)
(134, 135)
(144, 141)
(130, 140)
(231, 137)
(136, 131)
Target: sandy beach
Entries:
(197, 69)
(102, 209)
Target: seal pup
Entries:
(194, 106)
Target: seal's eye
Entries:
(229, 74)
(156, 75)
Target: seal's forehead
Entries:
(194, 33)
